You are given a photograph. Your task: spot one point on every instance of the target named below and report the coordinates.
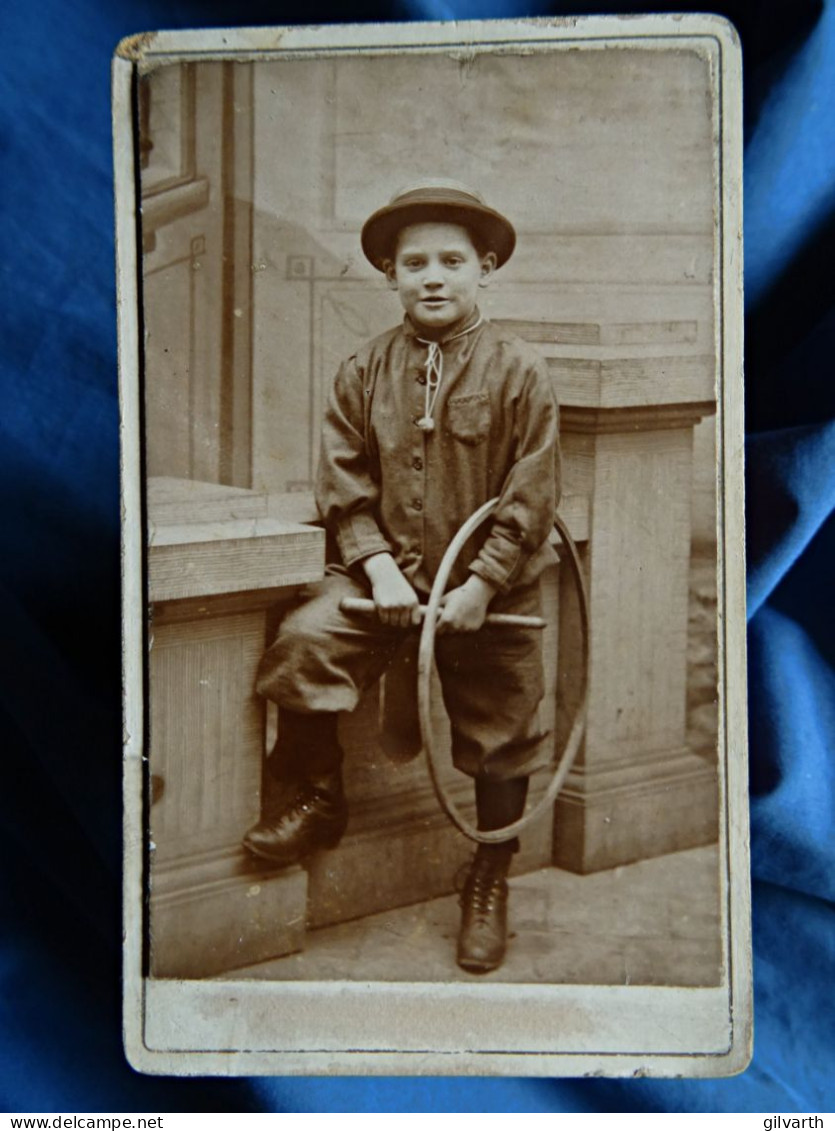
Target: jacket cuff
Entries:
(358, 536)
(499, 565)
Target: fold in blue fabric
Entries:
(60, 1045)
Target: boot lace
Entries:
(483, 887)
(304, 800)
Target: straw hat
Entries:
(436, 201)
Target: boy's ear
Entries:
(391, 277)
(488, 266)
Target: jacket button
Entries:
(417, 504)
(421, 379)
(417, 463)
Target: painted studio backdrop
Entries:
(256, 178)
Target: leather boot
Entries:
(482, 939)
(315, 818)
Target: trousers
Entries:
(323, 659)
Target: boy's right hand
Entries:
(396, 601)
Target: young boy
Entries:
(424, 424)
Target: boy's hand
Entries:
(396, 601)
(464, 609)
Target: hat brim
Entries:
(380, 231)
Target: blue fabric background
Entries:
(60, 1045)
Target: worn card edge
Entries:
(132, 55)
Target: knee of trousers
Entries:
(502, 737)
(303, 671)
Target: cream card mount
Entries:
(246, 162)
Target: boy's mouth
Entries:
(433, 300)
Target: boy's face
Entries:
(437, 272)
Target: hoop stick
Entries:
(498, 620)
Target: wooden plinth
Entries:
(635, 810)
(215, 912)
(212, 582)
(636, 790)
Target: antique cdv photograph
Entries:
(433, 582)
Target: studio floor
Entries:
(656, 922)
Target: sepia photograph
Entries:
(430, 365)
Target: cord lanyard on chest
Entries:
(435, 374)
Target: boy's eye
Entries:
(413, 263)
(453, 261)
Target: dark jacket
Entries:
(384, 484)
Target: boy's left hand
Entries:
(464, 609)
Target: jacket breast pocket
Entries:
(468, 418)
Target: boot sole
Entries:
(479, 966)
(470, 969)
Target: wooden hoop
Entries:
(426, 664)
